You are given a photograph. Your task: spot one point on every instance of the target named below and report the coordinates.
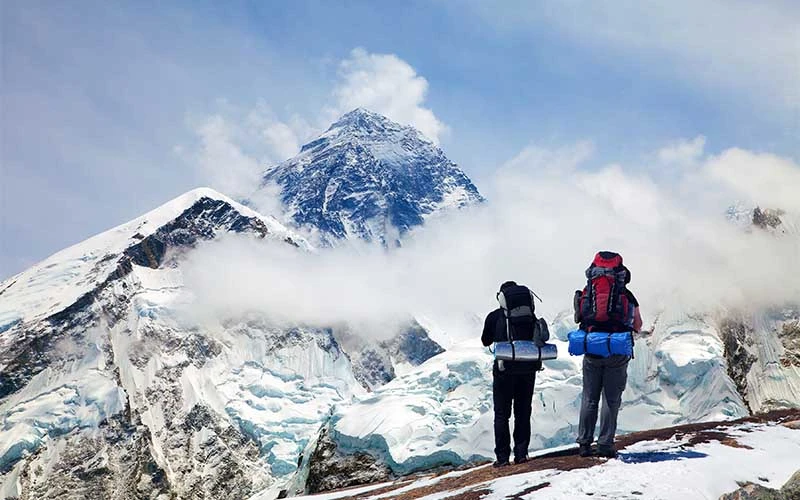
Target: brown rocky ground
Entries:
(569, 460)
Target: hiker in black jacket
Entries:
(513, 383)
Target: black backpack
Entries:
(518, 308)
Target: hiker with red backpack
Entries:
(517, 334)
(608, 314)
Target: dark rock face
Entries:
(767, 217)
(27, 358)
(201, 221)
(791, 490)
(736, 336)
(751, 491)
(368, 177)
(330, 470)
(374, 363)
(34, 352)
(372, 368)
(790, 337)
(115, 463)
(413, 345)
(219, 465)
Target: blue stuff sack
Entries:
(600, 343)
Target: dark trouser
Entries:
(511, 388)
(609, 376)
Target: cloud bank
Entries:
(548, 213)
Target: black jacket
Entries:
(494, 330)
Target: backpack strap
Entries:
(617, 288)
(509, 336)
(589, 294)
(631, 297)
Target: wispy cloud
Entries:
(749, 48)
(683, 152)
(758, 178)
(386, 84)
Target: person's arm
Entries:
(487, 337)
(637, 317)
(637, 320)
(541, 332)
(576, 305)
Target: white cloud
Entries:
(236, 146)
(282, 139)
(558, 161)
(222, 160)
(386, 84)
(759, 178)
(541, 227)
(748, 47)
(683, 152)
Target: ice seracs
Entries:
(106, 389)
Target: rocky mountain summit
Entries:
(369, 178)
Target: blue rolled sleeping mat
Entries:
(600, 343)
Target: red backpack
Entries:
(604, 305)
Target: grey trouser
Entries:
(609, 376)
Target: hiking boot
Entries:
(500, 463)
(606, 452)
(521, 460)
(585, 450)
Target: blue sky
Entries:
(110, 109)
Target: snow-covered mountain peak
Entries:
(370, 178)
(58, 281)
(367, 127)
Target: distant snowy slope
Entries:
(368, 177)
